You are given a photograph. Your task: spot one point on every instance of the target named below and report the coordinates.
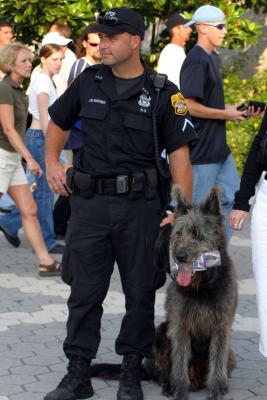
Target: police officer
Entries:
(115, 206)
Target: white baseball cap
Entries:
(55, 38)
(206, 14)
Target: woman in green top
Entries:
(16, 62)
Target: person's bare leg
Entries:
(23, 198)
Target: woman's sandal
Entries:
(53, 269)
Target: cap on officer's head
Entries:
(119, 20)
(206, 14)
(175, 20)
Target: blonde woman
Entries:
(16, 63)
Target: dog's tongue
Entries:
(184, 277)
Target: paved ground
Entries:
(32, 326)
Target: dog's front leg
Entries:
(180, 354)
(218, 364)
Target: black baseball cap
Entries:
(175, 20)
(119, 20)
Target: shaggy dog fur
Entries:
(192, 349)
(193, 346)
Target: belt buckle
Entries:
(122, 184)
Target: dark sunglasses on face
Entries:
(93, 44)
(218, 26)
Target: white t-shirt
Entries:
(41, 83)
(170, 62)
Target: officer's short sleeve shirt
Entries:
(117, 129)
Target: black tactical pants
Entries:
(104, 229)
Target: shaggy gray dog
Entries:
(193, 345)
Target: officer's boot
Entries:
(76, 384)
(130, 379)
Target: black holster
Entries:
(151, 183)
(80, 182)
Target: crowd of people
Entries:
(104, 107)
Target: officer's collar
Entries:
(105, 78)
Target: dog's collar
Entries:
(204, 261)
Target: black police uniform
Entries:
(116, 218)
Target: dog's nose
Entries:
(181, 255)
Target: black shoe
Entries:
(130, 379)
(14, 240)
(58, 249)
(5, 210)
(76, 384)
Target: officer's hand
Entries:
(56, 178)
(232, 114)
(170, 219)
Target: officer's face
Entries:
(118, 49)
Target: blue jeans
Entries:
(225, 176)
(6, 202)
(43, 195)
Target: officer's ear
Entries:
(136, 41)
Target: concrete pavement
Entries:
(32, 327)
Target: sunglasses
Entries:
(93, 44)
(219, 26)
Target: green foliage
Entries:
(32, 18)
(241, 134)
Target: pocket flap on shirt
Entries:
(139, 122)
(94, 110)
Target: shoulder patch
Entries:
(178, 103)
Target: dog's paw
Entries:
(167, 391)
(218, 392)
(180, 394)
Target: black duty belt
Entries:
(118, 185)
(135, 185)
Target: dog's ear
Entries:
(182, 204)
(212, 202)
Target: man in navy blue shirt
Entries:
(202, 87)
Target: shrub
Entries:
(241, 134)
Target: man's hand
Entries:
(253, 112)
(56, 178)
(232, 114)
(237, 219)
(34, 167)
